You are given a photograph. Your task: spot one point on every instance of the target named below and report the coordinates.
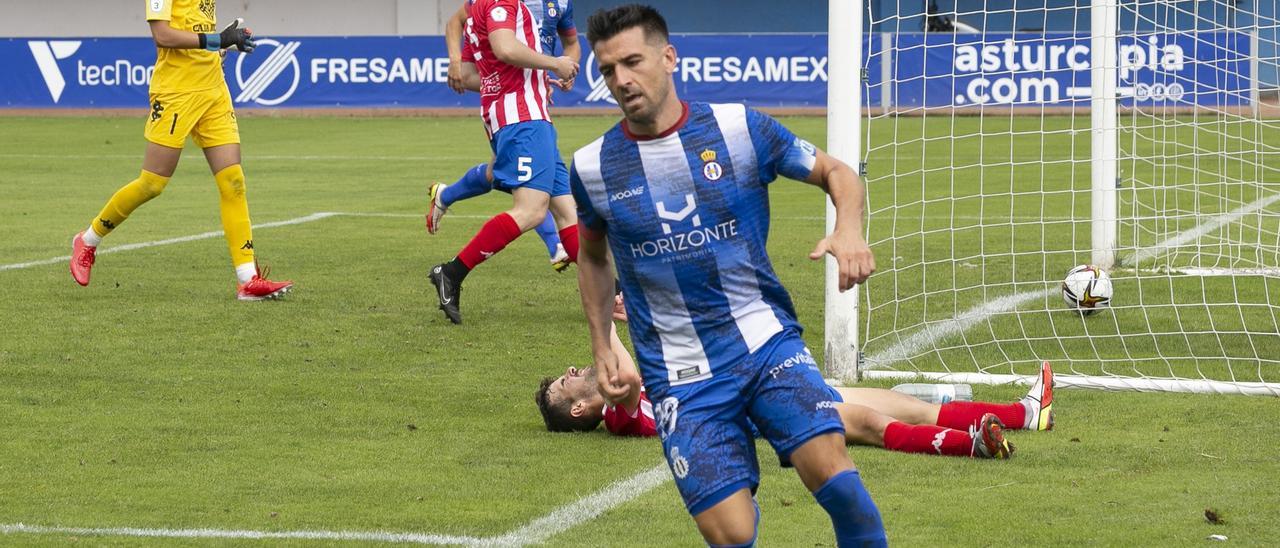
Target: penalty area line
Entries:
(535, 532)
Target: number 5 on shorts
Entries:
(525, 170)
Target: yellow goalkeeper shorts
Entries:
(207, 116)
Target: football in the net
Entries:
(1087, 288)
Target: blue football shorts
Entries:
(708, 428)
(526, 156)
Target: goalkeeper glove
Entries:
(232, 36)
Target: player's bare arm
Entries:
(509, 50)
(453, 41)
(234, 35)
(572, 50)
(469, 80)
(845, 243)
(616, 378)
(625, 361)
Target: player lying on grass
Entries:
(189, 96)
(554, 23)
(872, 416)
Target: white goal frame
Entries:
(845, 131)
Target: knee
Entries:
(730, 533)
(230, 182)
(528, 216)
(821, 458)
(151, 185)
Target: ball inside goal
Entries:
(1087, 288)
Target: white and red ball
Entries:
(1087, 288)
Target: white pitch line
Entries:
(1199, 231)
(250, 158)
(584, 510)
(170, 241)
(535, 532)
(934, 332)
(414, 538)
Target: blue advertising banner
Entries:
(411, 71)
(1206, 68)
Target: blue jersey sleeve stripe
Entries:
(588, 185)
(566, 17)
(778, 150)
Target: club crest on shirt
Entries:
(710, 167)
(551, 9)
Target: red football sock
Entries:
(963, 414)
(925, 438)
(569, 239)
(493, 236)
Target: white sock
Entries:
(246, 272)
(91, 238)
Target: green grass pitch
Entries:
(152, 399)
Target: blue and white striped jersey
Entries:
(551, 17)
(687, 217)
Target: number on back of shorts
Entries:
(525, 169)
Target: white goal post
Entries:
(1002, 147)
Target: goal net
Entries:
(1007, 142)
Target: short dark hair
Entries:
(558, 416)
(605, 24)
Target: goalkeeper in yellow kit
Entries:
(189, 96)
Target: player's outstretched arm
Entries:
(510, 51)
(234, 35)
(845, 243)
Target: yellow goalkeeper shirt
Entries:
(179, 70)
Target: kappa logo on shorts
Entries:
(47, 55)
(255, 88)
(666, 413)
